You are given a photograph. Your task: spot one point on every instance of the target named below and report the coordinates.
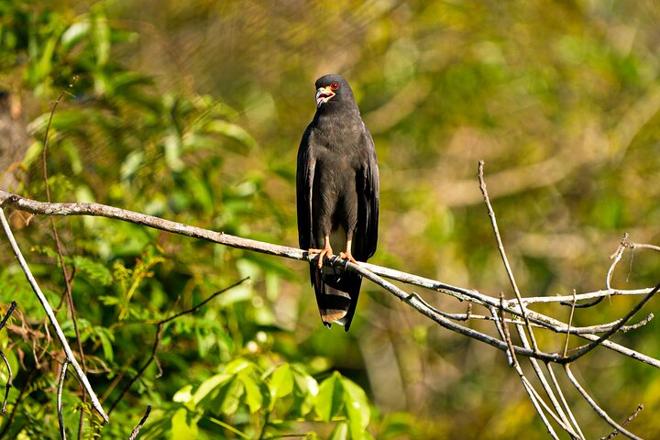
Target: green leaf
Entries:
(95, 271)
(340, 432)
(232, 397)
(329, 398)
(183, 426)
(281, 383)
(253, 396)
(231, 131)
(75, 33)
(305, 390)
(183, 395)
(238, 365)
(357, 408)
(209, 385)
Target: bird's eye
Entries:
(334, 85)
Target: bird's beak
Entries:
(323, 95)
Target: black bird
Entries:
(337, 196)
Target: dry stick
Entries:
(555, 382)
(548, 389)
(600, 328)
(60, 258)
(630, 418)
(531, 392)
(652, 247)
(10, 378)
(581, 351)
(514, 285)
(570, 321)
(500, 247)
(504, 334)
(595, 406)
(580, 296)
(8, 314)
(160, 326)
(60, 388)
(51, 317)
(463, 294)
(10, 375)
(554, 379)
(139, 426)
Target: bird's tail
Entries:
(336, 295)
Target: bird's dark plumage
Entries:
(337, 196)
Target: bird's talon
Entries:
(324, 253)
(348, 257)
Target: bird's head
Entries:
(333, 90)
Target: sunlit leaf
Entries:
(329, 399)
(183, 426)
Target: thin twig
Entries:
(8, 384)
(500, 247)
(630, 418)
(552, 375)
(60, 387)
(160, 326)
(10, 375)
(595, 406)
(139, 426)
(570, 322)
(51, 316)
(581, 351)
(644, 246)
(559, 412)
(18, 400)
(8, 314)
(536, 400)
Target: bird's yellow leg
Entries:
(347, 255)
(326, 252)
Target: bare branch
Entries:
(143, 420)
(500, 248)
(595, 406)
(630, 418)
(10, 375)
(8, 314)
(581, 351)
(51, 316)
(10, 378)
(60, 387)
(463, 294)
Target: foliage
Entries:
(192, 111)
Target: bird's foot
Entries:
(326, 252)
(347, 256)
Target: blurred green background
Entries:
(193, 111)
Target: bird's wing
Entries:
(366, 235)
(304, 183)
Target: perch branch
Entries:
(463, 294)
